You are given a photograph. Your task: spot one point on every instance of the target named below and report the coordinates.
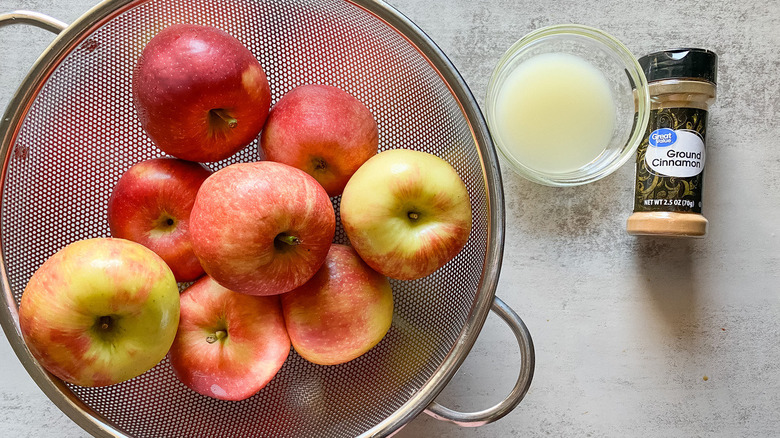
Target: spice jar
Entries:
(670, 159)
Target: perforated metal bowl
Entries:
(71, 131)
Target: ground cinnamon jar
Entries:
(670, 159)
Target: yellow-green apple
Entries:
(342, 312)
(229, 345)
(322, 130)
(261, 228)
(151, 205)
(200, 94)
(407, 213)
(100, 311)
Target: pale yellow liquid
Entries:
(555, 113)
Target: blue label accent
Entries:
(662, 137)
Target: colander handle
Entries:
(32, 18)
(473, 419)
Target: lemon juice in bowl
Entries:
(566, 105)
(555, 113)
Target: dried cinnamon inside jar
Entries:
(670, 160)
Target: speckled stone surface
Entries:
(635, 337)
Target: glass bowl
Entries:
(625, 85)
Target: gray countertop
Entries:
(634, 336)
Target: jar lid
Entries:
(680, 63)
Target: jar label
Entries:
(670, 161)
(675, 153)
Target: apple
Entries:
(261, 228)
(407, 213)
(342, 312)
(322, 130)
(199, 93)
(229, 345)
(100, 311)
(151, 205)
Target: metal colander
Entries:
(71, 131)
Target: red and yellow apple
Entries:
(151, 205)
(322, 130)
(200, 94)
(342, 312)
(229, 345)
(100, 311)
(407, 213)
(261, 228)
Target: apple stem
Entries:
(222, 114)
(414, 215)
(219, 334)
(105, 322)
(320, 164)
(290, 240)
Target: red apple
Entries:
(261, 228)
(323, 131)
(151, 205)
(100, 311)
(342, 312)
(407, 213)
(200, 94)
(229, 345)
